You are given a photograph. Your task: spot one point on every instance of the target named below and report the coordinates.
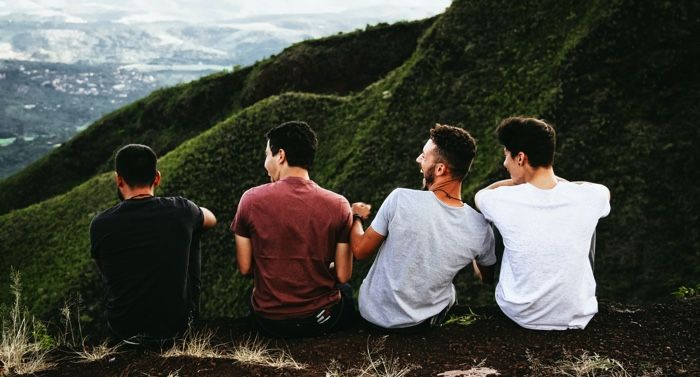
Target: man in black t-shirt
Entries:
(147, 251)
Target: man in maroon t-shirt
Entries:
(293, 237)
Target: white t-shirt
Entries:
(546, 279)
(427, 243)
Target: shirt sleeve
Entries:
(196, 215)
(483, 200)
(345, 223)
(240, 224)
(380, 224)
(604, 194)
(487, 255)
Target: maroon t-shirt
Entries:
(294, 226)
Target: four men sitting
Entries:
(297, 241)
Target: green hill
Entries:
(340, 64)
(618, 79)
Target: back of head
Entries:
(136, 164)
(534, 137)
(455, 147)
(298, 141)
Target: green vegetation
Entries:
(168, 117)
(685, 292)
(622, 94)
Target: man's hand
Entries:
(361, 209)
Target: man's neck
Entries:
(294, 171)
(542, 178)
(448, 191)
(137, 193)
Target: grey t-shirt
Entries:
(427, 243)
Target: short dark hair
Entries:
(455, 147)
(136, 163)
(297, 139)
(534, 137)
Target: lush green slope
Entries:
(340, 64)
(621, 93)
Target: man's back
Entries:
(546, 280)
(143, 249)
(427, 243)
(294, 226)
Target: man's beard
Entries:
(119, 195)
(428, 178)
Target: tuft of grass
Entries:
(20, 351)
(585, 365)
(96, 353)
(196, 344)
(376, 365)
(257, 352)
(478, 370)
(463, 320)
(686, 292)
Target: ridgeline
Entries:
(619, 80)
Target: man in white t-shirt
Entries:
(547, 223)
(424, 238)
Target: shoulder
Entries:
(175, 202)
(104, 216)
(490, 194)
(593, 189)
(409, 194)
(257, 191)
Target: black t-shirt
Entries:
(147, 251)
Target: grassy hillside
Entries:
(621, 93)
(339, 64)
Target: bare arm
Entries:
(244, 255)
(209, 219)
(505, 182)
(343, 262)
(363, 244)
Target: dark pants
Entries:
(337, 317)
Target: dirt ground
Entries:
(650, 340)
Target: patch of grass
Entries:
(254, 351)
(20, 351)
(375, 365)
(463, 320)
(585, 365)
(685, 292)
(196, 343)
(96, 353)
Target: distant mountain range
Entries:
(58, 74)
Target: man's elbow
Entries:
(358, 253)
(245, 270)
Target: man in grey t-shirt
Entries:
(424, 238)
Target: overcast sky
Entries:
(212, 11)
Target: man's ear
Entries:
(281, 156)
(118, 180)
(156, 180)
(521, 158)
(440, 169)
